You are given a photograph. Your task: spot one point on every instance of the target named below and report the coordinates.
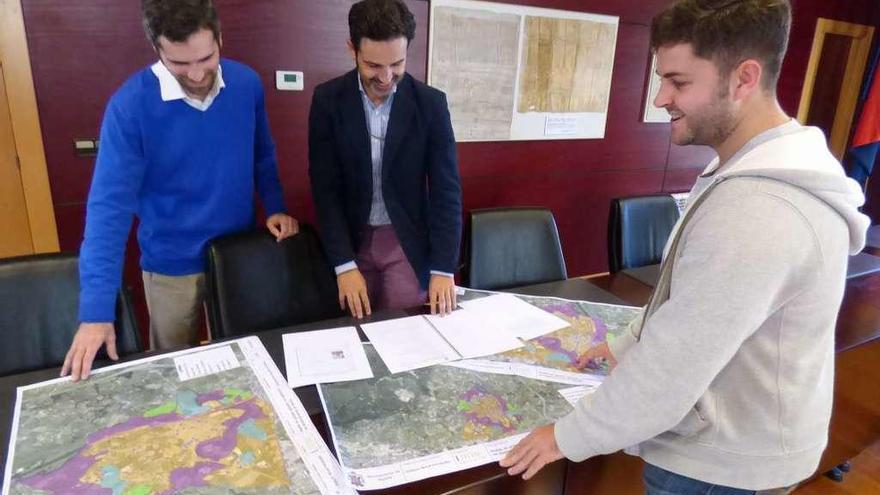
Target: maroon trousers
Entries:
(391, 281)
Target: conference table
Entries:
(855, 424)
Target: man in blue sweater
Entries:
(184, 143)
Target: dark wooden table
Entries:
(856, 422)
(477, 480)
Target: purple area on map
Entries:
(219, 448)
(572, 311)
(475, 391)
(215, 395)
(601, 330)
(182, 478)
(566, 309)
(65, 480)
(555, 345)
(132, 424)
(478, 392)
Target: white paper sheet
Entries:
(204, 363)
(408, 343)
(574, 394)
(472, 334)
(325, 356)
(517, 317)
(529, 371)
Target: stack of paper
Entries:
(408, 343)
(481, 327)
(514, 316)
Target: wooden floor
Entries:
(863, 478)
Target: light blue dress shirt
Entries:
(377, 126)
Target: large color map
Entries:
(397, 428)
(553, 356)
(142, 429)
(393, 429)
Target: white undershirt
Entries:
(172, 90)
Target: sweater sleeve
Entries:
(742, 258)
(265, 162)
(112, 202)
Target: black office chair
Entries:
(510, 247)
(638, 228)
(39, 302)
(256, 283)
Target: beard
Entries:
(710, 125)
(200, 90)
(376, 85)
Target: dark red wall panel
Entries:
(82, 51)
(805, 14)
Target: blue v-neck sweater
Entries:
(188, 176)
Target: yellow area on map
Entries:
(575, 339)
(147, 455)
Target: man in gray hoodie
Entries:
(726, 384)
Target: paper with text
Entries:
(408, 343)
(325, 356)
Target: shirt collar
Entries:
(367, 97)
(171, 89)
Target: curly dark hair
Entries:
(380, 20)
(728, 32)
(176, 20)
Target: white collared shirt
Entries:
(171, 89)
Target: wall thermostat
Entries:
(288, 80)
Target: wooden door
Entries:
(15, 232)
(834, 76)
(27, 216)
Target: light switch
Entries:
(288, 80)
(85, 146)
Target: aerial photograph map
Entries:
(590, 324)
(398, 428)
(140, 428)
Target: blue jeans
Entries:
(659, 481)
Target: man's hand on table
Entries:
(532, 453)
(597, 357)
(353, 293)
(86, 343)
(441, 294)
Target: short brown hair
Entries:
(178, 19)
(380, 20)
(728, 32)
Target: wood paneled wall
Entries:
(81, 51)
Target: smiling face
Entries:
(193, 62)
(696, 96)
(380, 65)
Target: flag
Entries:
(865, 147)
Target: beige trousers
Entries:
(175, 304)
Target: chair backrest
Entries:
(509, 247)
(39, 302)
(256, 283)
(638, 228)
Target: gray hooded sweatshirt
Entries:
(728, 379)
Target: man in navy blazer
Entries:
(384, 172)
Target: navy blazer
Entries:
(420, 181)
